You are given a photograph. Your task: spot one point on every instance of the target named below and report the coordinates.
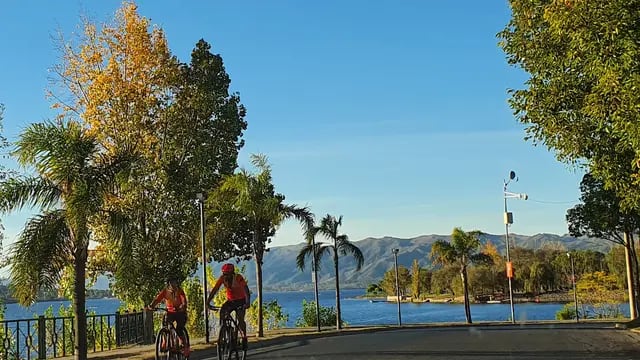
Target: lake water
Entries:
(354, 311)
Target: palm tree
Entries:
(341, 245)
(74, 176)
(461, 251)
(255, 198)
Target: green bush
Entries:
(195, 319)
(568, 312)
(308, 318)
(272, 314)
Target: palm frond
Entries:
(34, 140)
(306, 252)
(56, 151)
(329, 226)
(39, 256)
(347, 247)
(15, 193)
(481, 259)
(322, 249)
(342, 238)
(443, 253)
(118, 226)
(108, 167)
(310, 234)
(303, 215)
(260, 162)
(465, 242)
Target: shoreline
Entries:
(13, 301)
(551, 298)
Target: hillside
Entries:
(280, 270)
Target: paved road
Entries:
(564, 342)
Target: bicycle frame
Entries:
(228, 336)
(173, 349)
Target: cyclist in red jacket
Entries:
(176, 301)
(238, 297)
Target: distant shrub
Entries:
(308, 318)
(567, 312)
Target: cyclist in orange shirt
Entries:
(176, 302)
(238, 298)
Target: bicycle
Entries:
(229, 343)
(168, 343)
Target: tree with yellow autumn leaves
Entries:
(119, 89)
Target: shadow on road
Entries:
(489, 354)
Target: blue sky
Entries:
(393, 114)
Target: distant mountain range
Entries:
(280, 271)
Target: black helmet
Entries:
(172, 279)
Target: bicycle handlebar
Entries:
(156, 309)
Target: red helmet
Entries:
(228, 269)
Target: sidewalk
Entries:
(199, 349)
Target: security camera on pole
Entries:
(508, 220)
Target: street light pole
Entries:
(395, 255)
(200, 197)
(508, 219)
(573, 281)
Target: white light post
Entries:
(508, 220)
(573, 282)
(395, 255)
(200, 200)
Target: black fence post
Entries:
(42, 337)
(118, 326)
(147, 320)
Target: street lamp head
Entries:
(512, 175)
(569, 255)
(200, 196)
(395, 251)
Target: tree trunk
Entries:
(259, 287)
(258, 254)
(465, 287)
(338, 317)
(636, 269)
(630, 282)
(79, 298)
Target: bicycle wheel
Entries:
(222, 346)
(228, 347)
(235, 345)
(162, 345)
(243, 346)
(175, 352)
(186, 344)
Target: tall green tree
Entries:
(200, 144)
(462, 251)
(252, 196)
(339, 244)
(416, 288)
(446, 280)
(405, 281)
(73, 179)
(601, 216)
(580, 99)
(121, 79)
